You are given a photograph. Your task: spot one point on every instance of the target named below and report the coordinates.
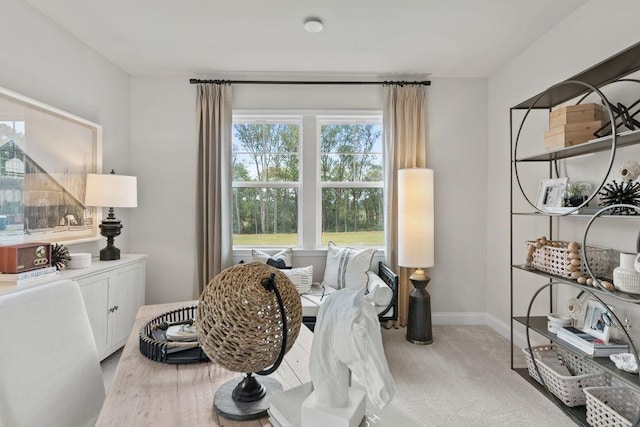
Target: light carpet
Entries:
(462, 379)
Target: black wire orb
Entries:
(627, 193)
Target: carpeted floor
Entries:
(462, 379)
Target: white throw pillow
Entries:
(347, 267)
(301, 278)
(281, 259)
(379, 293)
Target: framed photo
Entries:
(594, 321)
(45, 156)
(550, 193)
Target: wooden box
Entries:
(570, 114)
(570, 134)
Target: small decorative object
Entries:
(624, 193)
(79, 260)
(625, 361)
(556, 321)
(630, 171)
(346, 338)
(625, 276)
(575, 193)
(576, 309)
(248, 317)
(59, 256)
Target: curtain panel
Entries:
(405, 146)
(214, 235)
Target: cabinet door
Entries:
(95, 292)
(124, 297)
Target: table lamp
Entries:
(112, 191)
(415, 246)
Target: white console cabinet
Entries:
(112, 292)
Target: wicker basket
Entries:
(555, 260)
(569, 389)
(612, 406)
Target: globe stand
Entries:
(245, 400)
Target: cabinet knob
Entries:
(114, 308)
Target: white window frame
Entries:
(309, 186)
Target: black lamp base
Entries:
(419, 322)
(110, 228)
(229, 400)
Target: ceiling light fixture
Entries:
(313, 25)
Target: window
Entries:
(302, 180)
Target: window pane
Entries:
(266, 152)
(351, 138)
(353, 216)
(336, 167)
(367, 167)
(265, 216)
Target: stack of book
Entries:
(589, 344)
(26, 277)
(285, 410)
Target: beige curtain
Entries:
(405, 146)
(213, 230)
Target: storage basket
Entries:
(567, 388)
(555, 260)
(612, 406)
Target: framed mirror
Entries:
(45, 156)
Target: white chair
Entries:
(49, 369)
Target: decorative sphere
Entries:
(238, 320)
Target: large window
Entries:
(302, 180)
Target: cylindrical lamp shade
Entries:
(415, 218)
(113, 191)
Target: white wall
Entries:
(164, 153)
(43, 62)
(591, 34)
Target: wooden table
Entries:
(148, 393)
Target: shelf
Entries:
(574, 215)
(539, 325)
(593, 146)
(578, 414)
(603, 73)
(586, 287)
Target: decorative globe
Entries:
(238, 320)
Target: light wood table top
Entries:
(148, 393)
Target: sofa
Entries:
(341, 267)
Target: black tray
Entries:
(155, 346)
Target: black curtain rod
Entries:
(302, 82)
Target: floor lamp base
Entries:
(419, 322)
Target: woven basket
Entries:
(612, 406)
(555, 260)
(569, 389)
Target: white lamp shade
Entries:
(415, 218)
(113, 191)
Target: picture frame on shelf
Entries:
(595, 323)
(550, 193)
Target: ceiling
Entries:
(452, 38)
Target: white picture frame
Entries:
(594, 322)
(550, 193)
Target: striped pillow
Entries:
(347, 267)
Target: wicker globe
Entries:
(238, 320)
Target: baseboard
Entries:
(458, 318)
(519, 338)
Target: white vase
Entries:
(625, 276)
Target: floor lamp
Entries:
(415, 246)
(112, 191)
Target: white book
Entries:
(589, 344)
(16, 277)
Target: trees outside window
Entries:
(343, 180)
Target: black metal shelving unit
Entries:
(601, 74)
